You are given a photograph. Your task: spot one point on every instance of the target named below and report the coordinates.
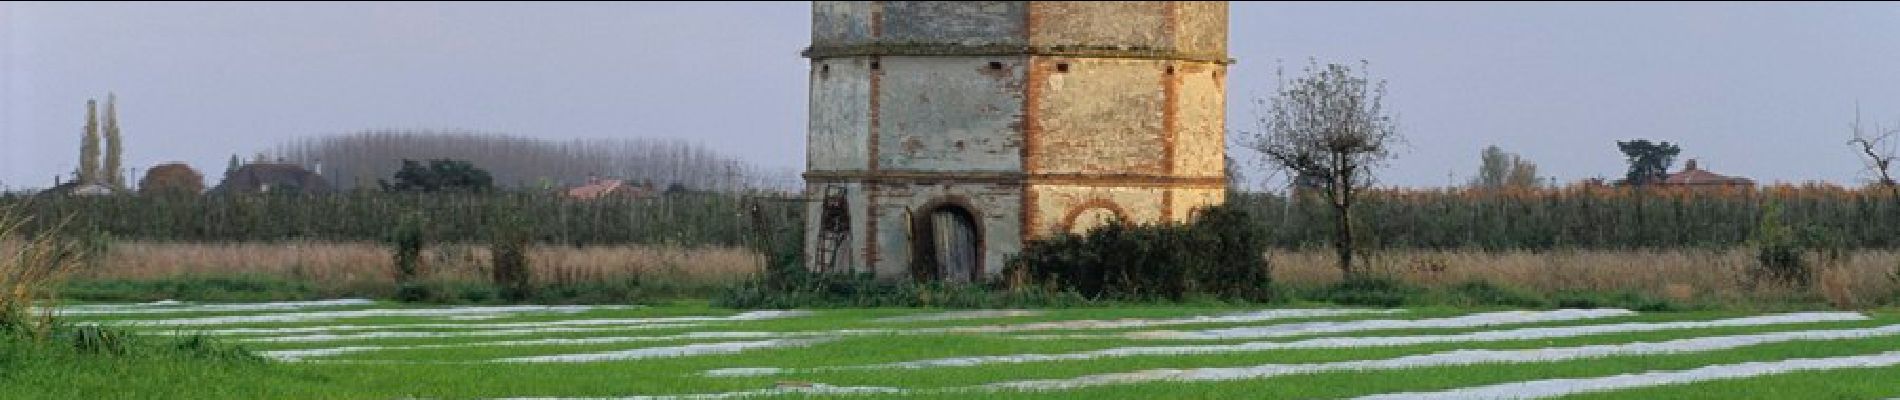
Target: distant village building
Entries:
(272, 178)
(944, 135)
(79, 188)
(597, 188)
(1694, 176)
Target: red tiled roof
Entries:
(598, 188)
(1692, 175)
(595, 190)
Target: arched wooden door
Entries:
(948, 245)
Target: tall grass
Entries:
(689, 218)
(30, 270)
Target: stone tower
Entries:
(945, 134)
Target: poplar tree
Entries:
(89, 146)
(114, 175)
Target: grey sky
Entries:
(1763, 90)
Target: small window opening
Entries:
(874, 65)
(996, 65)
(824, 69)
(1062, 67)
(1170, 70)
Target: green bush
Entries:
(1369, 291)
(407, 238)
(1220, 253)
(201, 288)
(1622, 299)
(412, 292)
(97, 340)
(622, 291)
(1781, 250)
(1485, 293)
(112, 343)
(508, 246)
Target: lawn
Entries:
(363, 349)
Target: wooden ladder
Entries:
(834, 227)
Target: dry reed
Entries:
(339, 266)
(30, 270)
(1857, 279)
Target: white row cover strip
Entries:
(1324, 327)
(296, 355)
(171, 306)
(1252, 316)
(813, 389)
(299, 354)
(695, 349)
(1530, 389)
(330, 337)
(1255, 316)
(1078, 324)
(745, 316)
(1562, 387)
(1552, 332)
(310, 316)
(1454, 358)
(956, 315)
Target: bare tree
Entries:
(1329, 130)
(1877, 147)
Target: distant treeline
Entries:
(358, 160)
(1587, 218)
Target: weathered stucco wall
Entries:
(1103, 116)
(997, 208)
(951, 114)
(1201, 27)
(840, 22)
(851, 254)
(1185, 200)
(1115, 24)
(839, 119)
(955, 22)
(1200, 115)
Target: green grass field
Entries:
(368, 350)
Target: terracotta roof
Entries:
(1692, 174)
(259, 177)
(595, 189)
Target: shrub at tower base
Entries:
(1218, 254)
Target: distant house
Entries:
(77, 188)
(599, 188)
(1693, 175)
(272, 178)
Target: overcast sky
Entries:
(1763, 90)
